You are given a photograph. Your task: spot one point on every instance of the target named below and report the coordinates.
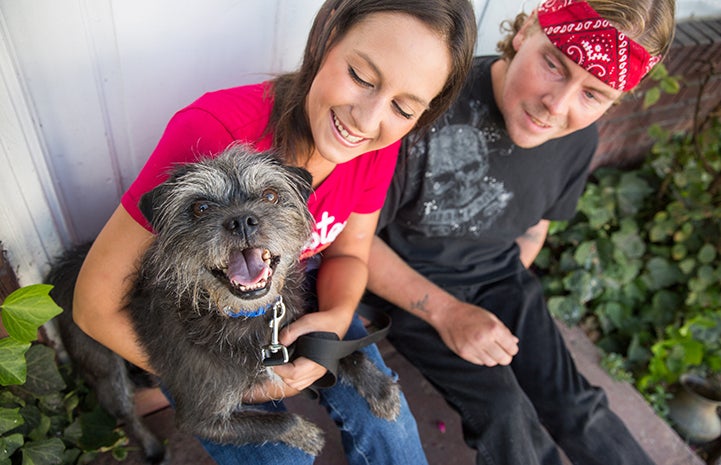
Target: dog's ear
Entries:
(306, 185)
(150, 201)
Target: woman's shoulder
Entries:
(244, 111)
(236, 98)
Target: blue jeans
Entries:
(366, 438)
(521, 413)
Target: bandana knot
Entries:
(592, 42)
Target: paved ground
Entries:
(443, 448)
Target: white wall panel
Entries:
(90, 84)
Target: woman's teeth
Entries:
(343, 132)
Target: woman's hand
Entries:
(341, 281)
(302, 372)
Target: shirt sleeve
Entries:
(565, 207)
(377, 175)
(190, 134)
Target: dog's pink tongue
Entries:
(246, 267)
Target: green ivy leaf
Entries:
(707, 254)
(660, 231)
(99, 430)
(583, 284)
(74, 431)
(40, 431)
(692, 353)
(566, 309)
(629, 243)
(9, 444)
(679, 252)
(26, 309)
(120, 453)
(13, 369)
(665, 305)
(631, 192)
(10, 419)
(637, 353)
(687, 266)
(661, 273)
(658, 72)
(670, 85)
(652, 96)
(619, 314)
(586, 254)
(657, 132)
(45, 452)
(43, 377)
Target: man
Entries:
(469, 210)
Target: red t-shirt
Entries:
(217, 119)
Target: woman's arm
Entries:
(341, 282)
(105, 279)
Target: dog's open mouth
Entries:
(249, 272)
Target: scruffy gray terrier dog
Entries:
(208, 298)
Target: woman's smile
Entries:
(345, 134)
(363, 98)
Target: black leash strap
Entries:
(326, 349)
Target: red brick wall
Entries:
(694, 56)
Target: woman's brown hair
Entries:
(454, 20)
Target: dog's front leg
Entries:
(377, 388)
(250, 426)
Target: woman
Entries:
(372, 71)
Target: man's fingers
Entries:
(509, 345)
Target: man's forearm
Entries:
(531, 242)
(392, 279)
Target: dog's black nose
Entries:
(244, 225)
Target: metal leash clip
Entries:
(275, 353)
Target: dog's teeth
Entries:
(266, 254)
(259, 285)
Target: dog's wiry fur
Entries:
(222, 224)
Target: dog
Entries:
(207, 302)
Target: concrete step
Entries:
(443, 446)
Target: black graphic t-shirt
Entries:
(462, 195)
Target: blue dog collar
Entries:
(252, 314)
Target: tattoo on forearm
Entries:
(420, 305)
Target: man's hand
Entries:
(476, 335)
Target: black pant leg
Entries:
(499, 421)
(506, 411)
(575, 413)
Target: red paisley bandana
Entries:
(591, 41)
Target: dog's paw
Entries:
(305, 436)
(387, 403)
(378, 389)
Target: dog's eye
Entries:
(270, 196)
(200, 208)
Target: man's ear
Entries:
(305, 186)
(529, 27)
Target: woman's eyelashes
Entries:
(407, 114)
(358, 79)
(400, 111)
